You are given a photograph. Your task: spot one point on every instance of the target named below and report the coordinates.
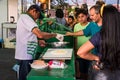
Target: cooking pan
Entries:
(58, 44)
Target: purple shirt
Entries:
(95, 40)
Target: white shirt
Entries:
(24, 34)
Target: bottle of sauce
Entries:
(12, 19)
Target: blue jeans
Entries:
(24, 68)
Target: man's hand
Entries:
(42, 43)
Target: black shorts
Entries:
(83, 65)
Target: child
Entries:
(70, 22)
(82, 16)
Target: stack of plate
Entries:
(39, 64)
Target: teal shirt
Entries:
(92, 29)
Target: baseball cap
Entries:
(35, 7)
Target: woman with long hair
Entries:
(107, 41)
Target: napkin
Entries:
(60, 37)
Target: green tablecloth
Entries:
(54, 74)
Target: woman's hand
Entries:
(95, 65)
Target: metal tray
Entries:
(55, 53)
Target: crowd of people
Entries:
(96, 32)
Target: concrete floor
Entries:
(6, 63)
